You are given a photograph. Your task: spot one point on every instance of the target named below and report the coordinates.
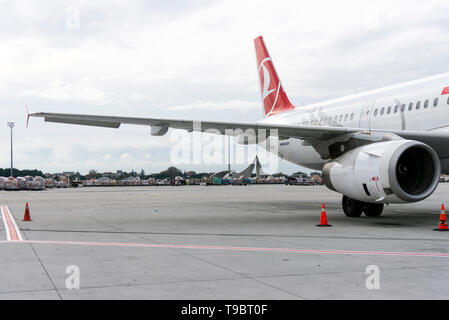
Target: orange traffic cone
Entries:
(323, 220)
(27, 217)
(443, 225)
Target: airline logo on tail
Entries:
(265, 80)
(274, 98)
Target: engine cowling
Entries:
(159, 130)
(395, 171)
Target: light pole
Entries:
(11, 125)
(229, 155)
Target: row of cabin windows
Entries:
(396, 108)
(381, 111)
(330, 120)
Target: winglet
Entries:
(28, 115)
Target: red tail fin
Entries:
(274, 98)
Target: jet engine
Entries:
(394, 171)
(159, 130)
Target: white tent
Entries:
(249, 170)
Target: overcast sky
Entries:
(191, 59)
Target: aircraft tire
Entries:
(352, 208)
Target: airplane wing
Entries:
(438, 140)
(291, 131)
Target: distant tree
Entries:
(6, 172)
(93, 174)
(171, 172)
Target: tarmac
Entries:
(218, 242)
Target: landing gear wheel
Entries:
(373, 209)
(352, 208)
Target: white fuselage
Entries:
(398, 107)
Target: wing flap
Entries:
(85, 122)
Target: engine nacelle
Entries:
(159, 130)
(385, 172)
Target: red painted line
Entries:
(150, 245)
(13, 232)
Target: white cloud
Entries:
(55, 89)
(240, 105)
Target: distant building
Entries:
(316, 176)
(300, 174)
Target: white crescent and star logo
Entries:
(265, 84)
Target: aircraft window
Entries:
(410, 106)
(341, 118)
(336, 118)
(418, 104)
(382, 111)
(396, 107)
(389, 110)
(403, 107)
(346, 117)
(352, 116)
(375, 112)
(435, 102)
(426, 103)
(447, 100)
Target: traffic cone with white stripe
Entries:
(443, 225)
(323, 220)
(27, 217)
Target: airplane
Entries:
(378, 147)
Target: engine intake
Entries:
(388, 172)
(414, 172)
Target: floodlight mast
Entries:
(11, 126)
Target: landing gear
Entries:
(354, 208)
(373, 209)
